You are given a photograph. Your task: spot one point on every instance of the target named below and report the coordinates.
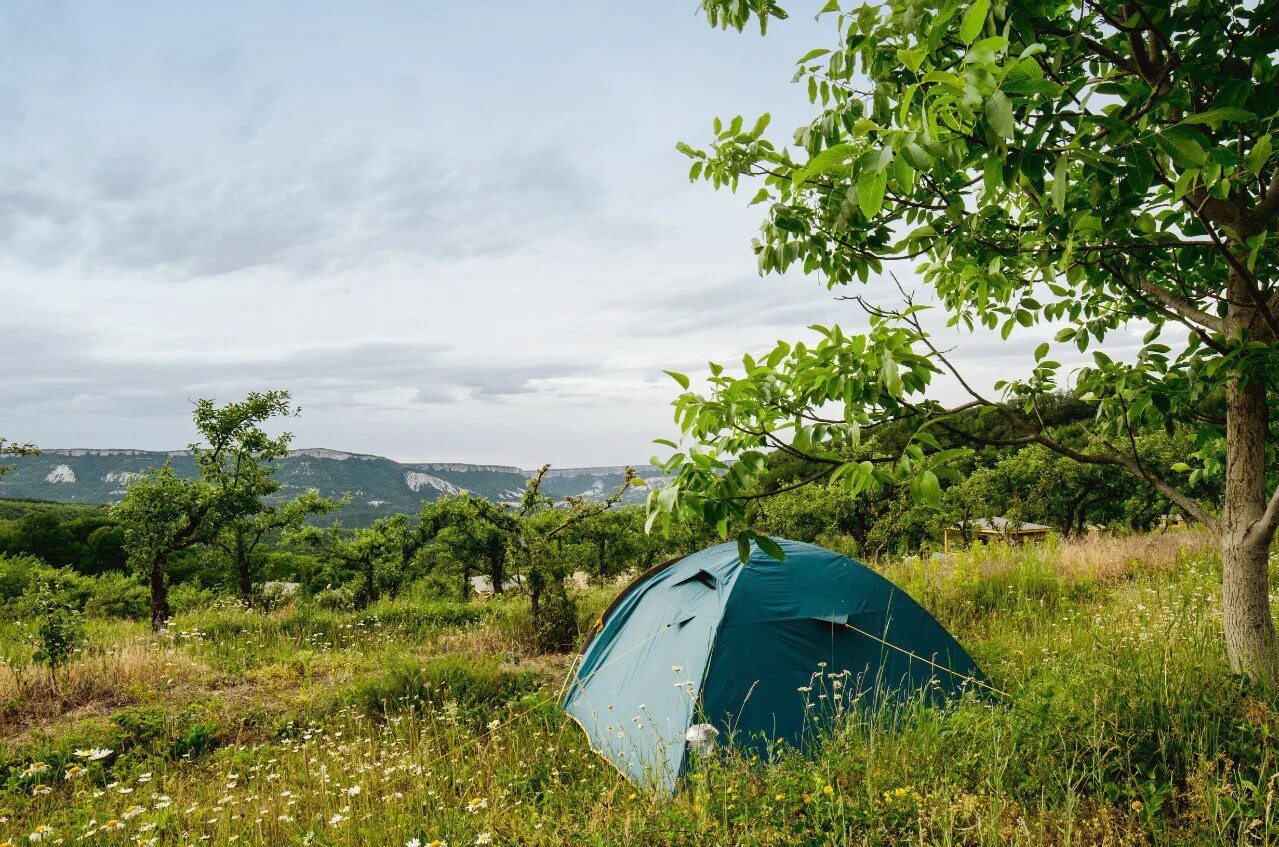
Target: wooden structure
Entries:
(992, 529)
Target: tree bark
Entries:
(1251, 641)
(160, 611)
(497, 569)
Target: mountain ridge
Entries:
(378, 486)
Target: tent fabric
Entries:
(761, 651)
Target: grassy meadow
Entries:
(417, 721)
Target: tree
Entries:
(1095, 167)
(162, 514)
(536, 533)
(104, 551)
(242, 537)
(357, 550)
(457, 531)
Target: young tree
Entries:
(59, 634)
(1100, 166)
(535, 532)
(162, 514)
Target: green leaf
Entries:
(687, 150)
(1259, 155)
(1041, 351)
(770, 547)
(744, 545)
(1216, 116)
(1059, 184)
(788, 223)
(911, 59)
(999, 112)
(761, 125)
(824, 161)
(993, 175)
(891, 378)
(811, 55)
(678, 377)
(871, 186)
(974, 19)
(1185, 146)
(929, 488)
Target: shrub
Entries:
(16, 575)
(59, 634)
(335, 599)
(556, 622)
(116, 595)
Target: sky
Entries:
(455, 231)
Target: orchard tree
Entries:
(1095, 168)
(162, 513)
(242, 538)
(459, 534)
(536, 531)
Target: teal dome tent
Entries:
(759, 651)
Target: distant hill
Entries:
(378, 486)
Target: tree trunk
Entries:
(535, 585)
(160, 611)
(1245, 593)
(497, 569)
(245, 579)
(244, 574)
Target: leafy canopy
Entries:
(1097, 166)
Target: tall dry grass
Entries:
(1111, 557)
(101, 678)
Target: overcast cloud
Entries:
(455, 231)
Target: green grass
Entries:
(424, 720)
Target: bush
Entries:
(335, 599)
(118, 596)
(16, 574)
(557, 622)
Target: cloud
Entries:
(73, 375)
(135, 212)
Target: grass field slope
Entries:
(420, 721)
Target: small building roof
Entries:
(1001, 525)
